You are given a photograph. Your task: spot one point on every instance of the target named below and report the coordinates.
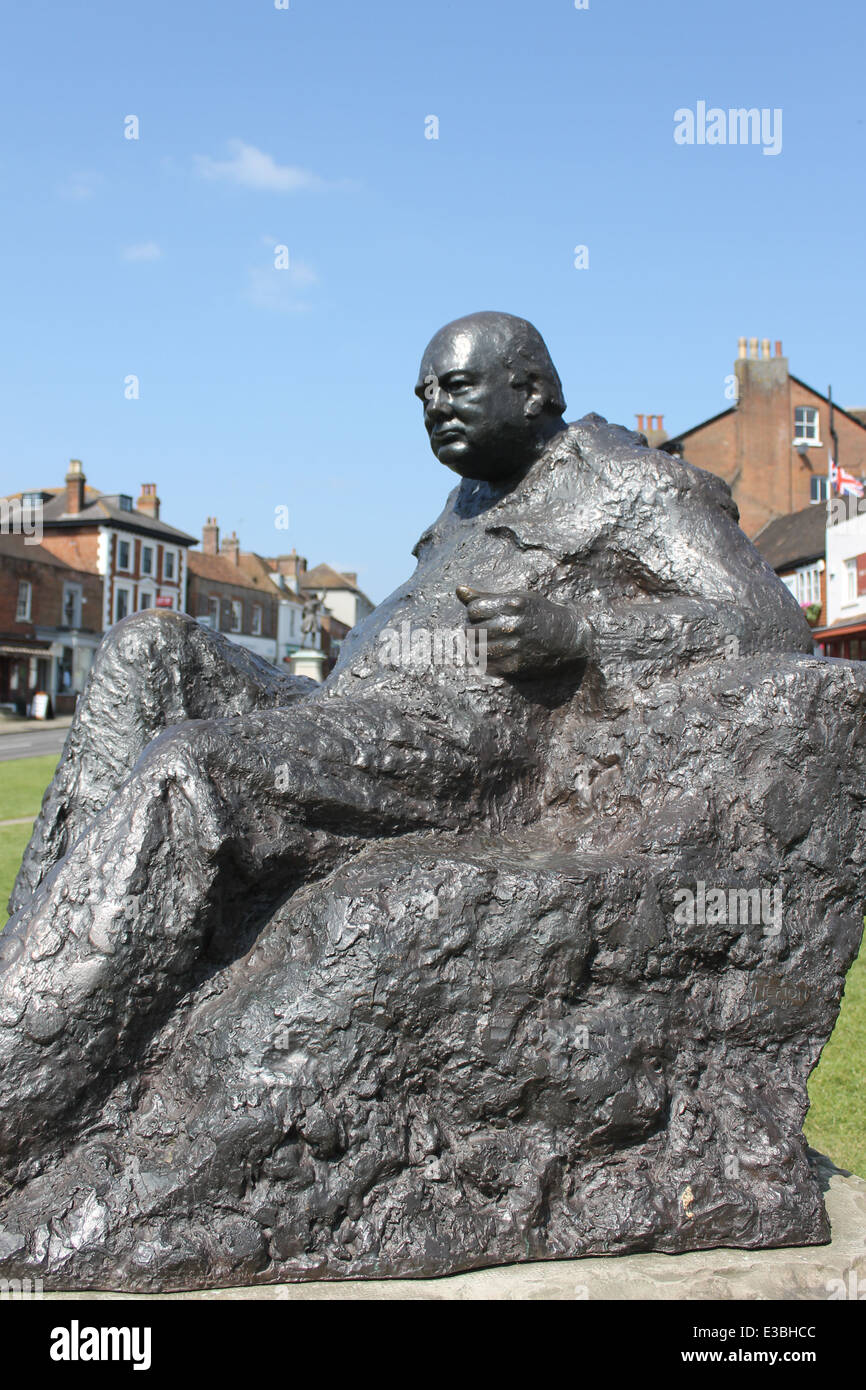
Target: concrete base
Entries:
(837, 1270)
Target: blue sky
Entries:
(305, 127)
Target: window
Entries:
(257, 620)
(124, 502)
(64, 670)
(168, 564)
(121, 604)
(213, 608)
(145, 601)
(123, 555)
(809, 584)
(72, 605)
(237, 615)
(25, 594)
(819, 489)
(147, 559)
(806, 425)
(851, 581)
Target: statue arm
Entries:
(709, 593)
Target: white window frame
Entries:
(237, 618)
(214, 609)
(121, 542)
(256, 622)
(815, 420)
(122, 589)
(851, 580)
(172, 556)
(148, 570)
(146, 594)
(809, 584)
(23, 610)
(76, 589)
(819, 483)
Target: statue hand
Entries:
(526, 635)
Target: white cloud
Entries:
(145, 251)
(277, 290)
(252, 168)
(80, 186)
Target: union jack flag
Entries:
(845, 482)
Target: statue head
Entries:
(491, 395)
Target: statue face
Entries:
(480, 424)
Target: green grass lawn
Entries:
(836, 1123)
(22, 782)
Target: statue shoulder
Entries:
(631, 463)
(433, 533)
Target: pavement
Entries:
(32, 738)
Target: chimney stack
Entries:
(210, 537)
(231, 548)
(75, 481)
(148, 502)
(294, 567)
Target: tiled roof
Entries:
(18, 548)
(258, 569)
(219, 569)
(324, 577)
(794, 539)
(100, 507)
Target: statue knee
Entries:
(139, 635)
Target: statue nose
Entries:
(438, 406)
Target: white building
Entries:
(844, 633)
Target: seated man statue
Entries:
(645, 674)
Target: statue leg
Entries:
(217, 823)
(152, 670)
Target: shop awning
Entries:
(42, 649)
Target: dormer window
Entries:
(124, 502)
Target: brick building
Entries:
(232, 592)
(132, 560)
(49, 624)
(772, 445)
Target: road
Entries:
(31, 744)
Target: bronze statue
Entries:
(294, 966)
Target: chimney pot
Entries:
(639, 419)
(753, 348)
(765, 349)
(741, 347)
(778, 347)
